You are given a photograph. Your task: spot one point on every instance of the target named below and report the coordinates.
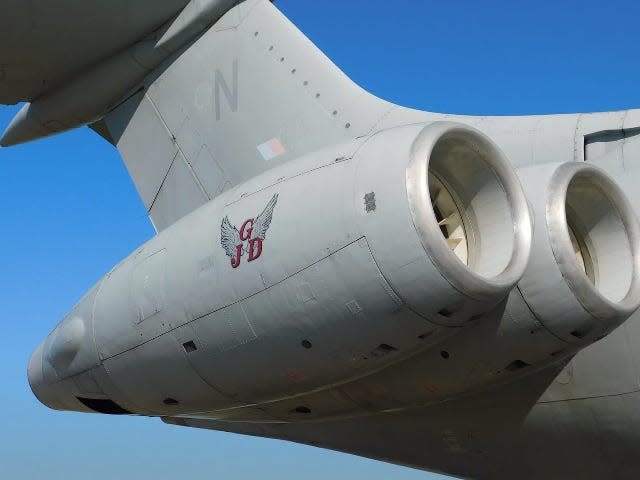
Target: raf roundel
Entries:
(249, 239)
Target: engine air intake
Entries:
(594, 213)
(583, 279)
(468, 208)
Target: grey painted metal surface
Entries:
(452, 293)
(43, 45)
(99, 89)
(585, 224)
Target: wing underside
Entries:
(44, 44)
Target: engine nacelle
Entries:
(314, 274)
(450, 227)
(584, 276)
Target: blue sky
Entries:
(69, 211)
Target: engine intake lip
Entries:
(487, 192)
(585, 199)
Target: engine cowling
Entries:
(584, 276)
(372, 250)
(451, 230)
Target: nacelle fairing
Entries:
(451, 230)
(279, 290)
(582, 281)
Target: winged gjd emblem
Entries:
(249, 238)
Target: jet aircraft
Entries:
(463, 298)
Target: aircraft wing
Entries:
(45, 43)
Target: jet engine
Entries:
(583, 278)
(279, 288)
(451, 230)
